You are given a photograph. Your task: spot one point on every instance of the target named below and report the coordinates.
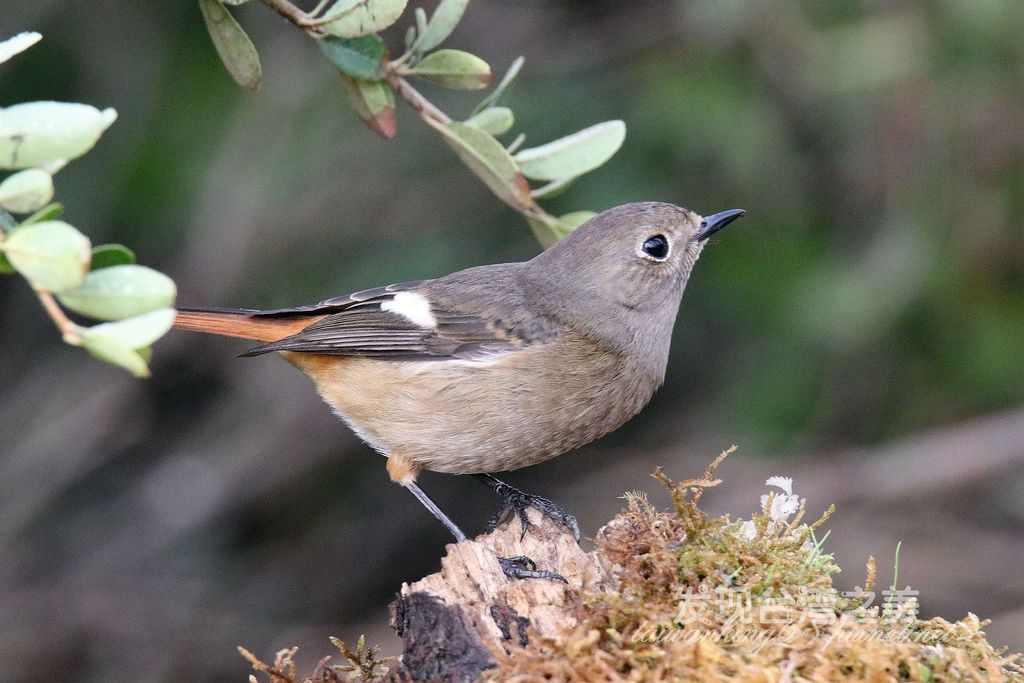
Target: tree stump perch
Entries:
(456, 622)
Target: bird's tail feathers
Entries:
(244, 323)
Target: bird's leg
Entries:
(517, 501)
(436, 511)
(519, 567)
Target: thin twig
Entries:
(424, 107)
(426, 110)
(312, 21)
(68, 329)
(294, 15)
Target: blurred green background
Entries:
(861, 330)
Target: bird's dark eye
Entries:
(656, 247)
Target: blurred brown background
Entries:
(861, 330)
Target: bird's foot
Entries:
(517, 501)
(522, 567)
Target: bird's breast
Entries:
(483, 416)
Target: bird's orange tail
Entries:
(244, 324)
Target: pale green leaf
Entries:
(494, 120)
(549, 230)
(26, 190)
(7, 222)
(50, 212)
(114, 352)
(573, 220)
(18, 43)
(44, 133)
(573, 155)
(52, 255)
(119, 292)
(107, 255)
(361, 17)
(233, 45)
(134, 333)
(374, 102)
(552, 189)
(454, 69)
(421, 21)
(506, 80)
(489, 161)
(442, 22)
(361, 58)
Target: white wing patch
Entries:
(412, 306)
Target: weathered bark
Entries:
(454, 622)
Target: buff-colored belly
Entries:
(461, 417)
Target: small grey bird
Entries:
(496, 367)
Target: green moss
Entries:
(693, 599)
(699, 599)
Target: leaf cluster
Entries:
(347, 32)
(37, 139)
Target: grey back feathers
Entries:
(600, 283)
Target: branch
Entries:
(428, 112)
(294, 15)
(424, 107)
(68, 329)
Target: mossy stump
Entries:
(665, 596)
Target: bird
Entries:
(501, 366)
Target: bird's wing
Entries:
(408, 321)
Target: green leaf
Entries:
(573, 155)
(444, 20)
(489, 161)
(361, 17)
(18, 43)
(454, 69)
(134, 333)
(573, 220)
(49, 133)
(114, 352)
(52, 255)
(360, 58)
(106, 255)
(50, 212)
(494, 120)
(552, 189)
(421, 25)
(120, 292)
(410, 37)
(374, 102)
(7, 222)
(26, 190)
(548, 231)
(506, 80)
(233, 45)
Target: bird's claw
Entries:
(517, 501)
(522, 567)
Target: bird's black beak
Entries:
(715, 222)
